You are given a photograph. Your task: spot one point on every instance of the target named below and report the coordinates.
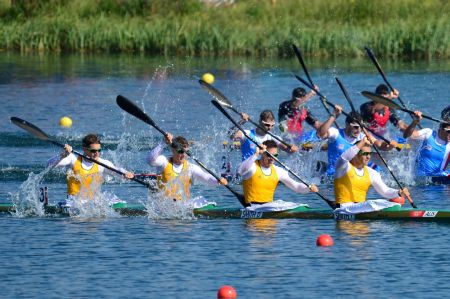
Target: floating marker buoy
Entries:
(324, 240)
(226, 292)
(208, 78)
(65, 122)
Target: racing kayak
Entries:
(302, 212)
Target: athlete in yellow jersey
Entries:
(261, 177)
(176, 174)
(353, 179)
(84, 178)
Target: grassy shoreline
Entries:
(333, 28)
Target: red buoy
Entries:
(399, 200)
(226, 292)
(324, 240)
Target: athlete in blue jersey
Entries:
(434, 153)
(339, 140)
(267, 121)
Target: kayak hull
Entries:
(302, 212)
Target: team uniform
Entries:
(338, 143)
(175, 179)
(291, 119)
(434, 154)
(260, 183)
(378, 121)
(248, 148)
(84, 178)
(351, 186)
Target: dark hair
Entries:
(298, 92)
(270, 144)
(180, 142)
(266, 115)
(90, 139)
(352, 117)
(445, 114)
(382, 89)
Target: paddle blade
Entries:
(380, 99)
(134, 110)
(30, 128)
(299, 55)
(216, 94)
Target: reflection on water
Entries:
(265, 226)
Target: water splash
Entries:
(160, 207)
(27, 199)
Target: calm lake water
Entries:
(109, 256)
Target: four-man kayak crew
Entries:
(176, 174)
(353, 179)
(84, 177)
(292, 113)
(339, 140)
(434, 153)
(261, 177)
(378, 115)
(267, 121)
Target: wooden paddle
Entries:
(380, 70)
(344, 90)
(225, 113)
(226, 103)
(398, 148)
(134, 110)
(299, 55)
(387, 102)
(38, 133)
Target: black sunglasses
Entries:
(270, 155)
(361, 153)
(92, 150)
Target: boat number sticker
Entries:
(430, 213)
(339, 216)
(250, 214)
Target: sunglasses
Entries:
(270, 156)
(446, 129)
(93, 150)
(268, 125)
(361, 153)
(355, 127)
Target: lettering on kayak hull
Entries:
(250, 214)
(339, 216)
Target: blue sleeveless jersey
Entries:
(431, 157)
(335, 150)
(248, 148)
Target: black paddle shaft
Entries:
(347, 97)
(299, 55)
(221, 109)
(226, 102)
(383, 75)
(346, 114)
(134, 110)
(35, 131)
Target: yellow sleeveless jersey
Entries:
(171, 181)
(83, 182)
(351, 187)
(260, 188)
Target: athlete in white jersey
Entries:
(84, 177)
(176, 174)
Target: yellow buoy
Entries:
(208, 78)
(65, 122)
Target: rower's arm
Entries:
(154, 157)
(248, 167)
(324, 130)
(343, 163)
(380, 186)
(59, 161)
(411, 131)
(284, 177)
(198, 174)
